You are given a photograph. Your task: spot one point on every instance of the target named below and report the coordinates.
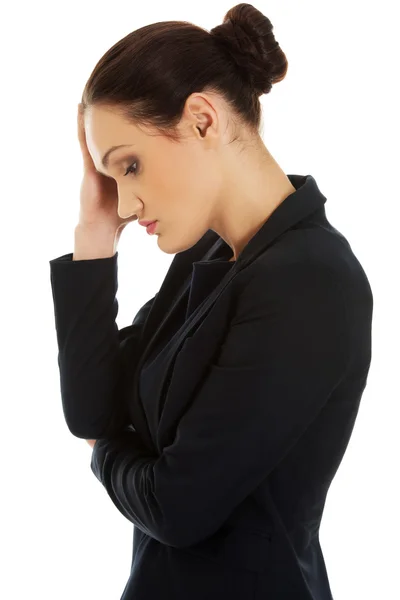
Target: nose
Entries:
(126, 210)
(126, 215)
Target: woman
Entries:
(223, 412)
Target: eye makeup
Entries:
(130, 170)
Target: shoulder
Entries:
(298, 285)
(317, 255)
(291, 263)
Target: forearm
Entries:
(91, 369)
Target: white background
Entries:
(334, 117)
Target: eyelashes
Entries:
(129, 169)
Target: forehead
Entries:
(106, 126)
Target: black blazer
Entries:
(224, 473)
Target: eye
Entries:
(129, 169)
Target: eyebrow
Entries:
(106, 157)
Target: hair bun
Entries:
(246, 36)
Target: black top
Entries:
(223, 412)
(205, 276)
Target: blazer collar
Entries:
(297, 206)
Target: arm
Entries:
(284, 354)
(93, 354)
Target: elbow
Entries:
(184, 534)
(92, 430)
(88, 427)
(186, 519)
(83, 432)
(82, 426)
(177, 539)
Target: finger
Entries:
(87, 159)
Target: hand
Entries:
(98, 194)
(91, 442)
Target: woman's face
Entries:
(175, 183)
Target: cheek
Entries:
(184, 182)
(175, 181)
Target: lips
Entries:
(145, 223)
(151, 228)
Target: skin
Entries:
(203, 182)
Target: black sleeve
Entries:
(94, 357)
(285, 352)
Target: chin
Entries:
(178, 246)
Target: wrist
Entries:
(93, 242)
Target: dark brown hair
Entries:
(149, 74)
